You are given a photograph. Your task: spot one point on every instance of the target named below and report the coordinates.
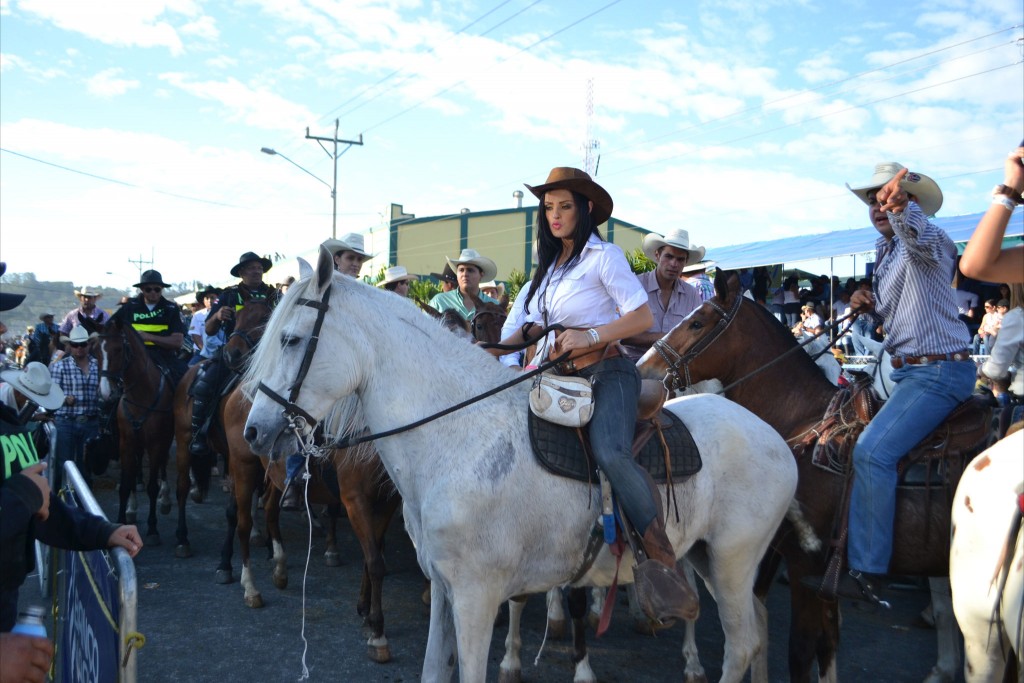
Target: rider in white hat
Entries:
(470, 270)
(348, 252)
(669, 298)
(87, 297)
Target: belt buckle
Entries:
(923, 360)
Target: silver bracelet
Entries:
(594, 337)
(1005, 201)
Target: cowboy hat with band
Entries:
(678, 239)
(396, 274)
(488, 269)
(447, 275)
(88, 291)
(351, 242)
(151, 277)
(925, 190)
(249, 257)
(78, 335)
(36, 384)
(575, 180)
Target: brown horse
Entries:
(727, 339)
(485, 326)
(363, 488)
(144, 417)
(249, 324)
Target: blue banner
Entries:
(89, 639)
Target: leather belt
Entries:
(898, 363)
(574, 365)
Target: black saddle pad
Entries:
(559, 451)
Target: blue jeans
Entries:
(861, 328)
(616, 385)
(71, 437)
(292, 465)
(923, 397)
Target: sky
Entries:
(131, 130)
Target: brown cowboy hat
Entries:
(575, 180)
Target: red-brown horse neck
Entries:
(734, 340)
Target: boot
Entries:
(293, 499)
(198, 448)
(661, 588)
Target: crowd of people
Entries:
(611, 316)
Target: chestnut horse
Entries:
(144, 417)
(728, 338)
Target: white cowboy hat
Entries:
(88, 291)
(487, 267)
(77, 335)
(498, 287)
(35, 383)
(350, 242)
(926, 190)
(396, 274)
(699, 265)
(680, 239)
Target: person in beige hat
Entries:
(397, 279)
(348, 252)
(586, 285)
(87, 298)
(669, 297)
(470, 269)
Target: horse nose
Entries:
(251, 434)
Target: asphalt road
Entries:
(198, 630)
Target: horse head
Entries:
(487, 323)
(451, 320)
(249, 326)
(113, 353)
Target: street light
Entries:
(271, 151)
(334, 157)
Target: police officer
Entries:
(158, 321)
(215, 373)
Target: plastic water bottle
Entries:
(30, 622)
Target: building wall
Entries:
(506, 236)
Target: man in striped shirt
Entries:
(913, 299)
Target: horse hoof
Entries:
(197, 494)
(224, 577)
(379, 653)
(510, 676)
(165, 508)
(153, 539)
(332, 559)
(254, 601)
(557, 629)
(280, 581)
(649, 628)
(183, 551)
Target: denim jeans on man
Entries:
(616, 384)
(71, 437)
(923, 397)
(860, 329)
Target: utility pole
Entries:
(334, 156)
(139, 262)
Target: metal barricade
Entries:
(98, 600)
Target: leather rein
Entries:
(298, 418)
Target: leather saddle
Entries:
(937, 459)
(662, 445)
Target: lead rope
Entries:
(308, 449)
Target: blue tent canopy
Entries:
(839, 243)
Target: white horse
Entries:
(985, 510)
(488, 522)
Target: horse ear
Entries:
(305, 270)
(430, 310)
(324, 269)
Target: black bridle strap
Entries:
(289, 407)
(321, 307)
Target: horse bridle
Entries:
(473, 324)
(673, 378)
(118, 380)
(297, 417)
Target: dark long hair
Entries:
(549, 247)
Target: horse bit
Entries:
(673, 379)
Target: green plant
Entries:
(639, 262)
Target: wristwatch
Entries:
(1009, 192)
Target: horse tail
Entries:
(809, 541)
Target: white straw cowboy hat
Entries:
(88, 291)
(35, 383)
(699, 265)
(926, 190)
(350, 242)
(77, 335)
(487, 267)
(680, 239)
(575, 180)
(396, 274)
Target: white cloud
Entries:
(141, 23)
(107, 84)
(10, 62)
(221, 62)
(820, 69)
(254, 107)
